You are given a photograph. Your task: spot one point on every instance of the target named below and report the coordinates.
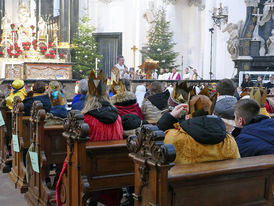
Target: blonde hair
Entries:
(93, 102)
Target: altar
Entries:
(35, 70)
(30, 52)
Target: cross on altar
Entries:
(134, 49)
(258, 15)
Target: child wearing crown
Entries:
(105, 124)
(197, 135)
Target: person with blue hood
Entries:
(57, 100)
(254, 133)
(82, 89)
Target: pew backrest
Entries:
(246, 181)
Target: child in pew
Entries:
(224, 105)
(57, 100)
(254, 133)
(198, 137)
(38, 93)
(104, 125)
(18, 89)
(82, 89)
(157, 102)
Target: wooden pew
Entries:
(50, 146)
(92, 166)
(21, 128)
(5, 137)
(246, 181)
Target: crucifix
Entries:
(256, 35)
(134, 49)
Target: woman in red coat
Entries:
(104, 124)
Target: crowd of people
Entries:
(190, 73)
(207, 122)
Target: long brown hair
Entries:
(94, 102)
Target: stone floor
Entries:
(9, 196)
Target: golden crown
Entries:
(181, 92)
(97, 83)
(259, 94)
(118, 87)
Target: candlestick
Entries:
(96, 65)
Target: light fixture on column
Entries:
(220, 16)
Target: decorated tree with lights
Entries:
(84, 51)
(160, 42)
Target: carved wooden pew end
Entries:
(246, 181)
(5, 137)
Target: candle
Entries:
(96, 65)
(47, 39)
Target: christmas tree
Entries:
(160, 43)
(84, 51)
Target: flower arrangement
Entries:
(50, 45)
(12, 26)
(50, 56)
(26, 45)
(32, 27)
(61, 56)
(52, 52)
(1, 53)
(43, 49)
(34, 44)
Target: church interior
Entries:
(136, 102)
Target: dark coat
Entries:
(79, 105)
(256, 138)
(208, 129)
(29, 101)
(59, 111)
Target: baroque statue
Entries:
(234, 31)
(270, 44)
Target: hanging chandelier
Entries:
(220, 16)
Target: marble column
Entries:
(74, 17)
(65, 9)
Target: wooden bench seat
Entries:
(50, 146)
(5, 137)
(246, 181)
(20, 127)
(92, 166)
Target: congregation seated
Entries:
(82, 89)
(37, 94)
(104, 125)
(156, 103)
(18, 89)
(201, 138)
(57, 100)
(127, 106)
(254, 132)
(225, 102)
